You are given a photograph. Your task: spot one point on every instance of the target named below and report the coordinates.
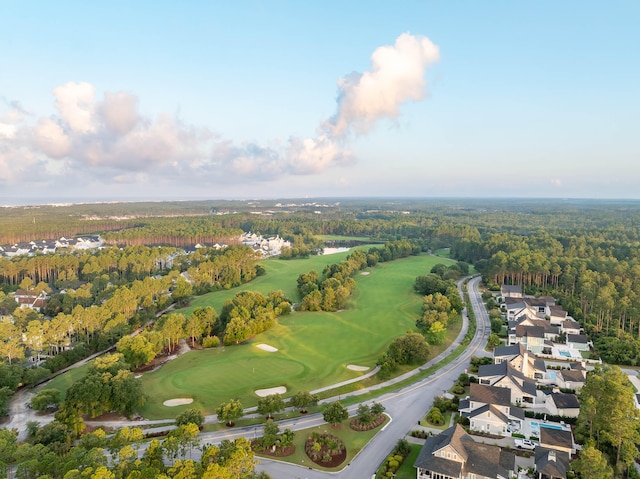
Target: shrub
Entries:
(210, 342)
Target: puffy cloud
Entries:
(314, 155)
(76, 105)
(107, 140)
(120, 111)
(51, 139)
(397, 76)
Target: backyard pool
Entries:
(537, 425)
(565, 354)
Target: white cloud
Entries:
(397, 76)
(92, 140)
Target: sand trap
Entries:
(177, 402)
(266, 347)
(353, 367)
(365, 273)
(268, 392)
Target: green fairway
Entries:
(280, 275)
(314, 349)
(64, 381)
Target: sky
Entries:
(288, 99)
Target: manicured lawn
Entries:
(406, 469)
(353, 440)
(64, 381)
(313, 348)
(280, 275)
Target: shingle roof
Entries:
(480, 459)
(556, 437)
(563, 400)
(494, 410)
(573, 375)
(489, 394)
(551, 463)
(577, 338)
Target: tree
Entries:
(335, 413)
(192, 415)
(270, 405)
(270, 433)
(137, 350)
(493, 341)
(230, 411)
(409, 349)
(592, 463)
(172, 330)
(303, 400)
(45, 398)
(364, 414)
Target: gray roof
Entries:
(511, 350)
(480, 459)
(499, 369)
(565, 401)
(551, 462)
(577, 338)
(494, 410)
(517, 412)
(511, 288)
(489, 394)
(529, 331)
(556, 437)
(573, 375)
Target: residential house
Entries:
(570, 326)
(573, 378)
(558, 439)
(562, 404)
(523, 390)
(489, 410)
(578, 341)
(556, 315)
(551, 463)
(31, 300)
(511, 291)
(518, 356)
(454, 454)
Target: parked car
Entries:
(525, 444)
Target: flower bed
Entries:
(326, 450)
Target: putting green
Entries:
(314, 349)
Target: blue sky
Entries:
(255, 99)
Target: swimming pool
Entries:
(537, 425)
(565, 354)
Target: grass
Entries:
(445, 425)
(280, 275)
(344, 238)
(66, 380)
(406, 469)
(313, 348)
(354, 442)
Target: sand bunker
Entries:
(365, 273)
(268, 392)
(353, 367)
(266, 347)
(177, 402)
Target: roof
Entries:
(490, 408)
(565, 401)
(511, 350)
(570, 324)
(480, 459)
(551, 463)
(577, 338)
(489, 394)
(499, 369)
(514, 303)
(529, 331)
(573, 375)
(557, 311)
(511, 288)
(556, 437)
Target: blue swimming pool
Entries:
(537, 425)
(565, 354)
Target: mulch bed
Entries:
(279, 451)
(335, 461)
(356, 425)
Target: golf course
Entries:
(305, 350)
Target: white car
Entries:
(525, 444)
